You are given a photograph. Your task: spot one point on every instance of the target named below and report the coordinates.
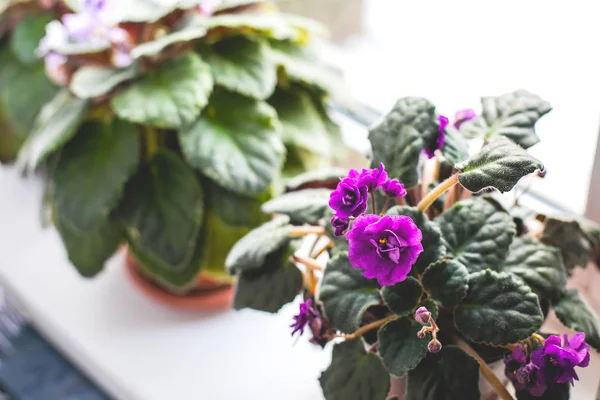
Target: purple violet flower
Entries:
(307, 316)
(557, 361)
(385, 248)
(373, 178)
(523, 374)
(441, 138)
(394, 188)
(340, 224)
(465, 115)
(349, 199)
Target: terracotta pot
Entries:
(207, 294)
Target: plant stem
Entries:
(437, 192)
(385, 206)
(309, 263)
(151, 136)
(373, 202)
(297, 231)
(373, 325)
(485, 370)
(327, 246)
(539, 338)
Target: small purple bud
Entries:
(465, 115)
(340, 225)
(434, 346)
(421, 334)
(422, 316)
(394, 188)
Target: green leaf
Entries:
(433, 247)
(449, 375)
(269, 25)
(92, 170)
(500, 164)
(148, 10)
(400, 347)
(499, 309)
(26, 37)
(235, 143)
(574, 244)
(477, 234)
(162, 211)
(346, 294)
(242, 65)
(455, 147)
(92, 81)
(271, 287)
(539, 265)
(403, 297)
(303, 207)
(447, 281)
(56, 123)
(319, 178)
(576, 314)
(354, 374)
(512, 115)
(398, 140)
(183, 34)
(251, 252)
(89, 250)
(170, 97)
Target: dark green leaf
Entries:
(512, 115)
(432, 307)
(269, 25)
(346, 294)
(319, 178)
(400, 347)
(89, 250)
(354, 374)
(93, 168)
(433, 247)
(574, 244)
(170, 97)
(455, 147)
(242, 65)
(398, 140)
(162, 211)
(539, 265)
(499, 309)
(403, 297)
(271, 287)
(500, 164)
(234, 209)
(447, 281)
(235, 143)
(92, 81)
(449, 375)
(576, 314)
(303, 207)
(251, 252)
(26, 37)
(55, 125)
(477, 234)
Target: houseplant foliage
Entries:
(420, 270)
(174, 121)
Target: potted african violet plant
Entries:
(175, 121)
(419, 269)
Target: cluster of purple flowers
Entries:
(384, 247)
(553, 363)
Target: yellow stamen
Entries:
(382, 241)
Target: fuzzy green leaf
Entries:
(346, 294)
(26, 37)
(303, 207)
(187, 32)
(433, 247)
(449, 375)
(251, 252)
(92, 81)
(539, 265)
(447, 281)
(92, 170)
(318, 178)
(235, 143)
(226, 205)
(162, 211)
(269, 25)
(403, 297)
(512, 115)
(499, 309)
(354, 374)
(573, 242)
(170, 97)
(455, 147)
(576, 314)
(477, 233)
(242, 65)
(500, 164)
(400, 347)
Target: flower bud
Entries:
(422, 316)
(434, 346)
(421, 334)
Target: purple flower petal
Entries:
(462, 116)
